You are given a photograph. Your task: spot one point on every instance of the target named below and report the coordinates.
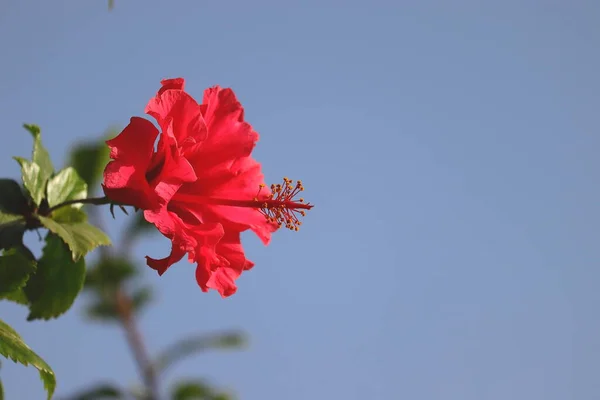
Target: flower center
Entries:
(280, 207)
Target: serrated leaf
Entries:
(89, 160)
(81, 237)
(33, 179)
(15, 269)
(57, 282)
(99, 392)
(13, 347)
(18, 296)
(40, 155)
(66, 185)
(198, 343)
(69, 215)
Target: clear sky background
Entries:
(450, 149)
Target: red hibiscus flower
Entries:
(200, 187)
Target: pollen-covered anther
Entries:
(281, 207)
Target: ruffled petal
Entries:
(163, 264)
(233, 263)
(229, 136)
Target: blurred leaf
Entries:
(15, 269)
(191, 390)
(12, 346)
(1, 391)
(33, 179)
(196, 389)
(137, 226)
(103, 310)
(110, 272)
(222, 396)
(40, 155)
(57, 282)
(81, 237)
(89, 160)
(111, 4)
(141, 297)
(66, 185)
(99, 392)
(195, 344)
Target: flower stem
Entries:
(91, 200)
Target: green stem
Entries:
(98, 201)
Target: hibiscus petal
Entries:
(171, 84)
(125, 184)
(176, 107)
(229, 137)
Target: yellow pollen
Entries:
(281, 207)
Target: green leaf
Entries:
(18, 296)
(196, 389)
(15, 269)
(69, 215)
(198, 343)
(12, 228)
(191, 390)
(13, 205)
(99, 392)
(81, 237)
(1, 391)
(40, 155)
(89, 160)
(12, 346)
(33, 179)
(12, 201)
(66, 185)
(57, 282)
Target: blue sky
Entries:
(451, 152)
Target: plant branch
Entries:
(125, 311)
(134, 339)
(91, 200)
